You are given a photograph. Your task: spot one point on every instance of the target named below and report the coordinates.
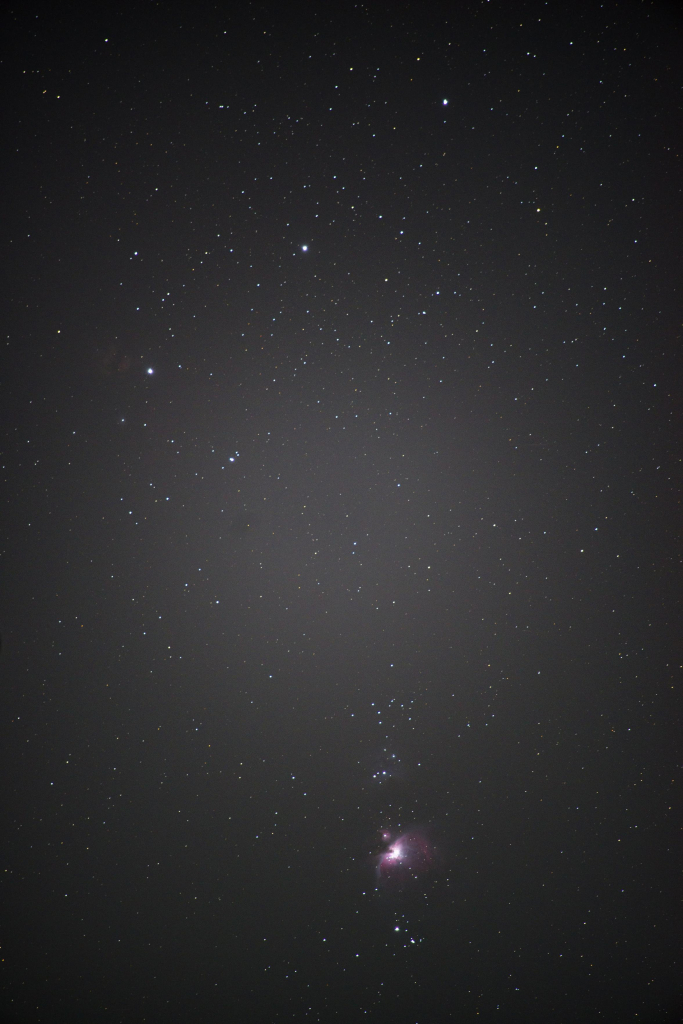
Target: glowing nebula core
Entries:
(408, 857)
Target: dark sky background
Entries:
(341, 447)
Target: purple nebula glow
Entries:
(408, 857)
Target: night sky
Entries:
(341, 513)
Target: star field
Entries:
(341, 536)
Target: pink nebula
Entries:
(408, 857)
